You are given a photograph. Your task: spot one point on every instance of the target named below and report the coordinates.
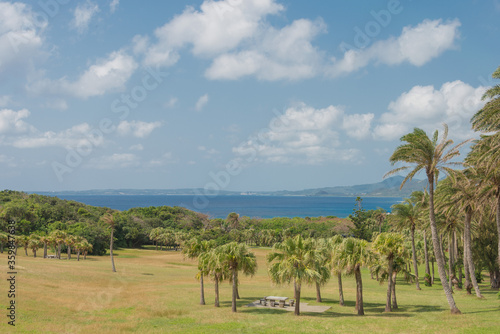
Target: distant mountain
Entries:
(386, 188)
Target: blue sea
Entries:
(250, 206)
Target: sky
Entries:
(245, 95)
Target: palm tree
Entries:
(45, 241)
(193, 249)
(349, 256)
(379, 215)
(23, 240)
(406, 215)
(70, 241)
(58, 238)
(334, 242)
(34, 243)
(211, 263)
(390, 246)
(87, 247)
(488, 118)
(431, 156)
(460, 192)
(290, 260)
(238, 258)
(110, 220)
(322, 264)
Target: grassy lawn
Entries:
(156, 292)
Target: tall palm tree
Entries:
(238, 258)
(460, 192)
(334, 242)
(406, 215)
(349, 256)
(292, 260)
(110, 220)
(389, 246)
(193, 249)
(424, 153)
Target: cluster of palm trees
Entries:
(167, 237)
(220, 263)
(466, 192)
(56, 239)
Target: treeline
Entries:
(42, 216)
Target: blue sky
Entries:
(235, 94)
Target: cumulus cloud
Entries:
(416, 45)
(21, 35)
(202, 102)
(427, 107)
(137, 129)
(109, 74)
(274, 54)
(217, 27)
(83, 15)
(302, 134)
(13, 121)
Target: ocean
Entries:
(250, 206)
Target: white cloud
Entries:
(358, 125)
(83, 15)
(113, 5)
(416, 45)
(21, 34)
(218, 26)
(275, 54)
(426, 107)
(114, 161)
(164, 159)
(12, 121)
(137, 129)
(202, 102)
(110, 74)
(57, 104)
(302, 134)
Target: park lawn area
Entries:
(156, 292)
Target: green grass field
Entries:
(156, 292)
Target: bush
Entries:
(479, 276)
(427, 280)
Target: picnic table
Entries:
(273, 299)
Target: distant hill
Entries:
(386, 188)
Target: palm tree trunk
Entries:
(59, 251)
(26, 251)
(78, 255)
(233, 297)
(437, 249)
(414, 256)
(69, 252)
(468, 284)
(359, 291)
(450, 262)
(237, 289)
(294, 289)
(34, 252)
(394, 300)
(202, 291)
(297, 298)
(467, 239)
(426, 255)
(318, 293)
(45, 250)
(111, 251)
(341, 292)
(432, 279)
(217, 291)
(389, 285)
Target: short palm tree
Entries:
(334, 242)
(389, 246)
(34, 243)
(238, 258)
(349, 256)
(293, 260)
(212, 264)
(431, 156)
